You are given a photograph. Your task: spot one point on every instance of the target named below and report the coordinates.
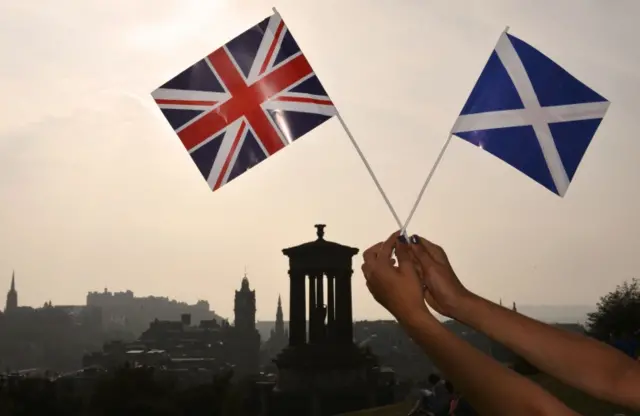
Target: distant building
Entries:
(279, 335)
(244, 337)
(168, 344)
(11, 305)
(125, 311)
(178, 344)
(48, 337)
(245, 307)
(279, 332)
(393, 348)
(88, 316)
(12, 296)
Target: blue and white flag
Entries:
(531, 113)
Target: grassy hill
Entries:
(578, 401)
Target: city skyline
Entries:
(97, 191)
(546, 313)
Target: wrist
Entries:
(466, 307)
(422, 319)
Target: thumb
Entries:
(423, 256)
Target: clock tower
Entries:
(245, 307)
(245, 340)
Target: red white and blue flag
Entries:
(244, 102)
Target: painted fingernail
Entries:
(415, 239)
(403, 239)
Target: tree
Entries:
(618, 312)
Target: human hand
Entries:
(397, 288)
(442, 289)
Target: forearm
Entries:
(491, 388)
(575, 359)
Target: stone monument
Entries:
(322, 372)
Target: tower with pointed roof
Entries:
(279, 335)
(12, 296)
(279, 329)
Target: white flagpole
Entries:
(426, 182)
(366, 164)
(373, 175)
(433, 169)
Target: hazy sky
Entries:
(97, 191)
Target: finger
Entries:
(435, 251)
(366, 270)
(418, 267)
(371, 253)
(369, 288)
(421, 253)
(405, 257)
(387, 247)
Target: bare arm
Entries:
(575, 359)
(491, 388)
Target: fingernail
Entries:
(403, 239)
(415, 239)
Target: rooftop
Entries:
(321, 246)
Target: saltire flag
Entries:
(245, 101)
(531, 113)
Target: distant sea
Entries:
(549, 313)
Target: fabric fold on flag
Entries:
(244, 102)
(528, 111)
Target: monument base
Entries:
(325, 379)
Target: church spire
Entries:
(12, 295)
(279, 329)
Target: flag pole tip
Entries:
(274, 10)
(506, 29)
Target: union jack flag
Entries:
(245, 101)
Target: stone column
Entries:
(312, 310)
(344, 314)
(320, 308)
(297, 312)
(331, 313)
(349, 308)
(339, 307)
(320, 286)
